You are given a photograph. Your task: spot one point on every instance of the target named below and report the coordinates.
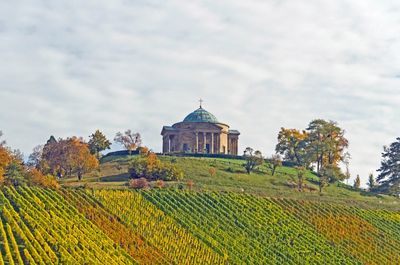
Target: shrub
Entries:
(230, 170)
(190, 184)
(212, 171)
(160, 184)
(36, 178)
(151, 168)
(140, 183)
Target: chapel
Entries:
(200, 132)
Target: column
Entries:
(169, 144)
(204, 142)
(197, 143)
(212, 143)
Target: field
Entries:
(226, 217)
(168, 226)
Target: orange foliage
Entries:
(5, 159)
(139, 183)
(70, 156)
(212, 171)
(36, 177)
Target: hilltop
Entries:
(230, 176)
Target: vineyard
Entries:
(168, 226)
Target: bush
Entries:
(140, 183)
(230, 170)
(212, 171)
(190, 184)
(36, 178)
(151, 168)
(160, 184)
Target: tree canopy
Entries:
(69, 156)
(98, 142)
(389, 176)
(253, 158)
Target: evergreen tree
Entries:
(371, 182)
(357, 182)
(389, 177)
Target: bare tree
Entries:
(131, 141)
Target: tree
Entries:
(67, 157)
(5, 160)
(301, 171)
(80, 160)
(15, 174)
(275, 161)
(97, 143)
(389, 176)
(253, 158)
(357, 182)
(131, 141)
(35, 158)
(326, 143)
(292, 145)
(2, 142)
(346, 162)
(371, 182)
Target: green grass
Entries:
(231, 176)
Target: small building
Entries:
(200, 132)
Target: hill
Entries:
(168, 226)
(231, 176)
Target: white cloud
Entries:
(70, 67)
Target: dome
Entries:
(200, 115)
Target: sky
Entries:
(71, 67)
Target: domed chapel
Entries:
(200, 132)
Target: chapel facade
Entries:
(200, 132)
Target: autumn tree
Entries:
(98, 142)
(69, 156)
(131, 141)
(389, 176)
(36, 178)
(35, 158)
(5, 160)
(274, 162)
(80, 160)
(11, 165)
(292, 145)
(357, 182)
(254, 159)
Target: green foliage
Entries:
(357, 182)
(253, 158)
(371, 182)
(98, 142)
(15, 174)
(389, 177)
(151, 168)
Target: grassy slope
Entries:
(231, 176)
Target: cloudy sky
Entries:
(70, 67)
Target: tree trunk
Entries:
(79, 176)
